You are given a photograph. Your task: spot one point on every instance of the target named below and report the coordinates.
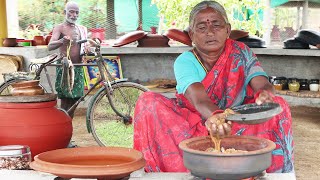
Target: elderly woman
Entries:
(218, 73)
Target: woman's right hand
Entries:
(217, 126)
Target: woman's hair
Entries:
(205, 4)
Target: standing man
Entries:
(64, 35)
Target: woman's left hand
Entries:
(264, 97)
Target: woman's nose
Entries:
(210, 30)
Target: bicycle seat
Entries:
(44, 60)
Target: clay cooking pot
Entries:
(27, 88)
(153, 40)
(10, 42)
(218, 166)
(48, 38)
(39, 40)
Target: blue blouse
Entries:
(187, 71)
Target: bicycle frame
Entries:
(105, 78)
(93, 87)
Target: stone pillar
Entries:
(267, 15)
(305, 14)
(13, 19)
(140, 14)
(3, 21)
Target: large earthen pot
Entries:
(34, 121)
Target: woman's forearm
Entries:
(261, 83)
(206, 108)
(268, 87)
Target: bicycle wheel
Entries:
(108, 128)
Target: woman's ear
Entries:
(228, 29)
(190, 33)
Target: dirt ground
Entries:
(306, 129)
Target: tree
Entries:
(45, 13)
(93, 13)
(242, 14)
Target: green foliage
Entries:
(285, 17)
(93, 13)
(45, 13)
(242, 14)
(31, 31)
(49, 13)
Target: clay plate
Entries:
(178, 35)
(293, 43)
(129, 38)
(255, 114)
(308, 36)
(89, 162)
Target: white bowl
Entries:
(314, 87)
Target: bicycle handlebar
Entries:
(82, 41)
(91, 41)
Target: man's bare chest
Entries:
(71, 31)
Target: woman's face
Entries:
(210, 31)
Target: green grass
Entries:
(115, 133)
(110, 127)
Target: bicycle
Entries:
(110, 110)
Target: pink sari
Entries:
(160, 123)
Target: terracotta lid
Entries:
(129, 38)
(178, 35)
(236, 34)
(89, 162)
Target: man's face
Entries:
(210, 31)
(72, 14)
